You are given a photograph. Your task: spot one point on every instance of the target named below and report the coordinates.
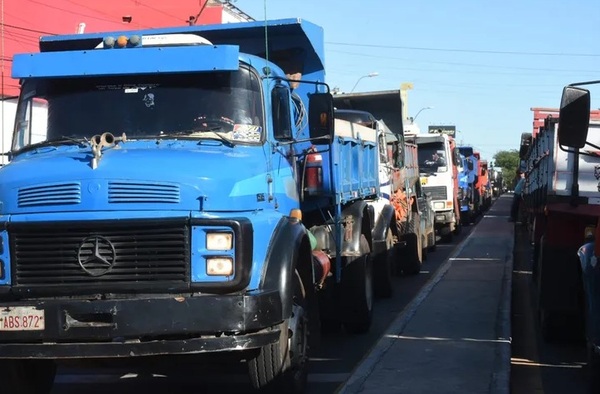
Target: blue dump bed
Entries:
(355, 171)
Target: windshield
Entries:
(432, 157)
(147, 106)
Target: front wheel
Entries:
(357, 290)
(27, 376)
(283, 366)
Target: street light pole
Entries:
(369, 75)
(412, 120)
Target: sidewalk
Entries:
(454, 337)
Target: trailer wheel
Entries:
(283, 366)
(382, 268)
(357, 290)
(28, 376)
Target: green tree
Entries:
(509, 161)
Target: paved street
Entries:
(330, 366)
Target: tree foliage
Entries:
(509, 161)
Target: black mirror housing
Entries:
(574, 117)
(320, 116)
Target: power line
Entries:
(462, 64)
(463, 50)
(26, 29)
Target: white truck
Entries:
(438, 159)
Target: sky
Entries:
(481, 65)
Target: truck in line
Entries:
(186, 191)
(579, 135)
(561, 200)
(413, 232)
(469, 196)
(438, 161)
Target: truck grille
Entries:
(54, 194)
(437, 192)
(100, 253)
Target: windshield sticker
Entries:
(128, 88)
(149, 100)
(246, 132)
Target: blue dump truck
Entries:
(182, 191)
(468, 191)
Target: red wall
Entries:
(26, 20)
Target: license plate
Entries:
(423, 181)
(21, 318)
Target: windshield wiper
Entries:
(63, 139)
(187, 133)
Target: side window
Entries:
(282, 123)
(383, 151)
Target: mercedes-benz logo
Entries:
(96, 255)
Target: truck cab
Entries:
(439, 178)
(172, 191)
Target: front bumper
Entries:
(147, 326)
(443, 218)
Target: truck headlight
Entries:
(219, 266)
(219, 241)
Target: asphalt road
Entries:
(536, 366)
(330, 365)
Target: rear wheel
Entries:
(28, 376)
(431, 242)
(357, 290)
(283, 366)
(382, 269)
(412, 258)
(447, 234)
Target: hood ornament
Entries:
(100, 141)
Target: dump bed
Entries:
(354, 154)
(552, 171)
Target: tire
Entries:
(593, 370)
(357, 290)
(424, 248)
(457, 225)
(28, 376)
(283, 366)
(382, 268)
(448, 237)
(431, 242)
(412, 258)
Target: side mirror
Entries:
(456, 157)
(320, 116)
(470, 165)
(574, 117)
(526, 139)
